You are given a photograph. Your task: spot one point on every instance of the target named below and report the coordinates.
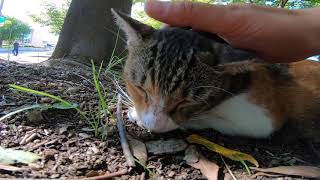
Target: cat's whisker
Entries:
(125, 101)
(125, 97)
(121, 91)
(127, 104)
(203, 100)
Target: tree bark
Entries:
(89, 31)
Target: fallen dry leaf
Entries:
(12, 156)
(304, 171)
(138, 149)
(208, 169)
(231, 154)
(168, 146)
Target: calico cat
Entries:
(179, 78)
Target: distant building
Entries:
(39, 38)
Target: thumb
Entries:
(217, 19)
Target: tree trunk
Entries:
(1, 41)
(89, 31)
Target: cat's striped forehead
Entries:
(165, 59)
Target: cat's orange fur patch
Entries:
(289, 101)
(137, 96)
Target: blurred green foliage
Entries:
(52, 16)
(14, 29)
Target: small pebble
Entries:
(49, 153)
(87, 129)
(55, 176)
(45, 100)
(35, 166)
(95, 150)
(169, 146)
(63, 129)
(171, 173)
(72, 90)
(84, 135)
(46, 132)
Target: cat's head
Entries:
(173, 75)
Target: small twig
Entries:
(39, 144)
(31, 137)
(229, 170)
(254, 176)
(12, 168)
(26, 136)
(122, 133)
(108, 176)
(51, 142)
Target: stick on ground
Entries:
(122, 133)
(108, 176)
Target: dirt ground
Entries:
(70, 150)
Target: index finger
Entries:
(201, 16)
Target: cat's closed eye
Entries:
(178, 106)
(143, 93)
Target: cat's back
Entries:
(307, 73)
(290, 92)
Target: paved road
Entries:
(34, 55)
(27, 56)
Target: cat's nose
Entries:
(157, 122)
(133, 117)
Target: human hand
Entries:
(274, 34)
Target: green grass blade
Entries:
(40, 93)
(102, 101)
(100, 68)
(23, 109)
(246, 167)
(115, 46)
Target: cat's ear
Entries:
(224, 58)
(216, 51)
(235, 61)
(133, 29)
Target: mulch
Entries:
(70, 149)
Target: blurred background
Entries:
(36, 24)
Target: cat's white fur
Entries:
(153, 120)
(235, 116)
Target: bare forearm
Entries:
(275, 34)
(312, 24)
